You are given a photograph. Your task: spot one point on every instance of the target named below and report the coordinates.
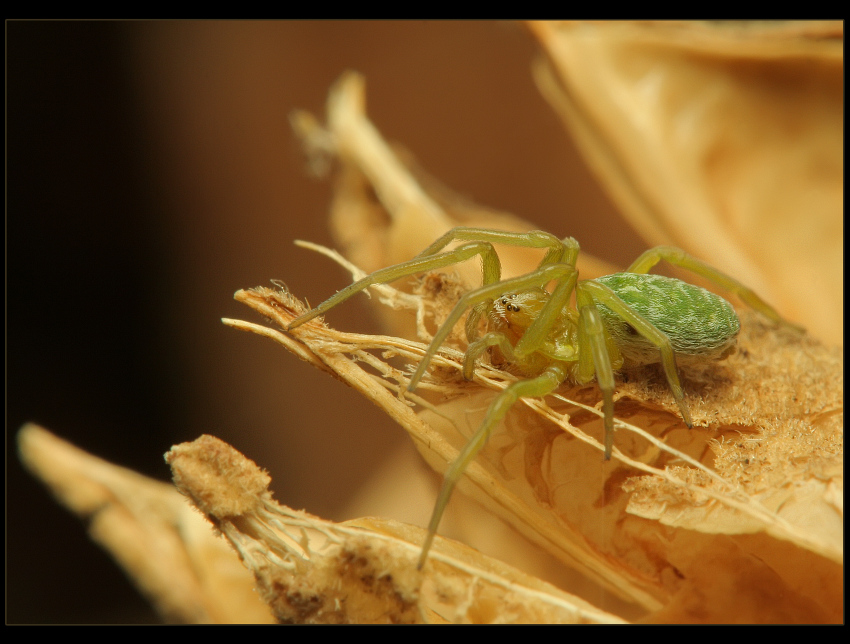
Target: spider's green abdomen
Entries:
(697, 322)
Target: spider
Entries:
(624, 319)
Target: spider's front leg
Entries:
(550, 372)
(482, 344)
(565, 274)
(537, 387)
(421, 264)
(557, 252)
(594, 357)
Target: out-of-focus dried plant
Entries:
(164, 545)
(723, 138)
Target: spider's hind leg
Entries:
(678, 257)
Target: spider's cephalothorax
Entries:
(512, 313)
(629, 318)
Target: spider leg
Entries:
(474, 317)
(536, 334)
(678, 257)
(558, 251)
(479, 346)
(419, 264)
(488, 293)
(604, 295)
(594, 356)
(537, 387)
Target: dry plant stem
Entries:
(728, 493)
(350, 135)
(377, 235)
(314, 571)
(341, 352)
(752, 497)
(308, 570)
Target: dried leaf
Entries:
(722, 138)
(166, 547)
(314, 571)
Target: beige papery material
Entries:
(737, 520)
(723, 138)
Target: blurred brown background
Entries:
(151, 173)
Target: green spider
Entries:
(629, 318)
